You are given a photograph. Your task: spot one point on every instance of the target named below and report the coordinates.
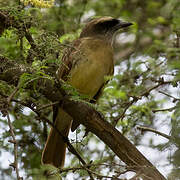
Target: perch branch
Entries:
(92, 120)
(122, 147)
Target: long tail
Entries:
(55, 148)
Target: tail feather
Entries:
(55, 147)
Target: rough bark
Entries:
(119, 144)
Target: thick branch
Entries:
(92, 120)
(121, 146)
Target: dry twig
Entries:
(15, 163)
(142, 128)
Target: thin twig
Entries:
(122, 115)
(12, 95)
(136, 98)
(48, 105)
(128, 169)
(85, 168)
(175, 99)
(15, 163)
(161, 110)
(139, 174)
(142, 128)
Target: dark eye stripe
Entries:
(107, 24)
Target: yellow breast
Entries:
(91, 63)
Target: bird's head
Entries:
(104, 27)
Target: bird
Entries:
(84, 66)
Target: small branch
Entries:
(96, 174)
(161, 82)
(47, 105)
(161, 110)
(142, 128)
(139, 175)
(122, 115)
(33, 44)
(13, 141)
(15, 163)
(136, 98)
(174, 98)
(12, 95)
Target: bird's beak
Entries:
(125, 24)
(122, 24)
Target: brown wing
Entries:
(65, 67)
(67, 60)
